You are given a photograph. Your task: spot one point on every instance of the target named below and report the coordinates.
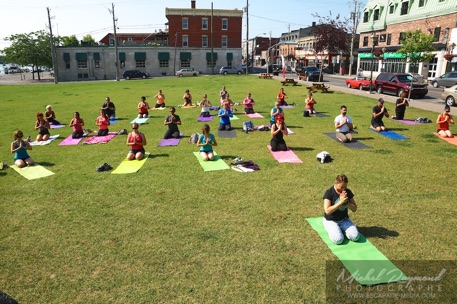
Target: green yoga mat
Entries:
(234, 117)
(365, 262)
(130, 166)
(32, 172)
(212, 165)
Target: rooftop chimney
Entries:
(192, 4)
(313, 24)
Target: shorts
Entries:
(44, 131)
(159, 105)
(136, 151)
(207, 152)
(145, 113)
(377, 124)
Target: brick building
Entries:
(388, 20)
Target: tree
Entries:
(89, 40)
(417, 47)
(331, 35)
(69, 41)
(29, 49)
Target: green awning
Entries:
(81, 56)
(66, 56)
(122, 56)
(140, 56)
(97, 56)
(208, 56)
(185, 56)
(229, 56)
(393, 55)
(164, 56)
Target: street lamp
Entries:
(374, 42)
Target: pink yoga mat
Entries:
(70, 141)
(255, 115)
(407, 122)
(285, 156)
(452, 140)
(99, 139)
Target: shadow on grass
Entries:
(45, 164)
(363, 138)
(158, 155)
(301, 148)
(382, 151)
(398, 129)
(378, 232)
(295, 127)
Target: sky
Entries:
(82, 17)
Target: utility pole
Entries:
(247, 37)
(354, 31)
(53, 52)
(212, 46)
(116, 51)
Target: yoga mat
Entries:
(188, 107)
(321, 114)
(452, 140)
(169, 142)
(140, 120)
(391, 135)
(362, 259)
(285, 156)
(255, 115)
(355, 144)
(212, 165)
(130, 166)
(290, 131)
(227, 134)
(161, 108)
(234, 117)
(113, 121)
(57, 126)
(32, 172)
(214, 108)
(99, 139)
(44, 142)
(287, 107)
(407, 122)
(69, 141)
(205, 119)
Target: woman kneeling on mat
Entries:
(19, 147)
(443, 121)
(42, 125)
(136, 141)
(278, 130)
(206, 142)
(337, 200)
(172, 121)
(103, 123)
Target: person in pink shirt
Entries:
(77, 123)
(310, 102)
(249, 104)
(136, 140)
(103, 123)
(143, 108)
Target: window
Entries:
(225, 24)
(122, 59)
(389, 39)
(111, 41)
(204, 41)
(211, 59)
(164, 59)
(81, 60)
(382, 38)
(404, 8)
(366, 17)
(185, 58)
(140, 63)
(66, 58)
(401, 37)
(185, 40)
(96, 57)
(376, 14)
(81, 76)
(365, 41)
(185, 63)
(185, 23)
(204, 23)
(224, 41)
(421, 3)
(436, 34)
(391, 9)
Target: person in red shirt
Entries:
(143, 108)
(443, 121)
(282, 97)
(103, 123)
(136, 140)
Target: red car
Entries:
(359, 83)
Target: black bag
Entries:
(306, 113)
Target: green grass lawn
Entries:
(172, 233)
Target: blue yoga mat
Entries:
(391, 135)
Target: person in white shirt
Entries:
(343, 126)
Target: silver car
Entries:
(446, 80)
(449, 95)
(186, 72)
(230, 70)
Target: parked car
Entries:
(359, 83)
(186, 72)
(445, 80)
(134, 74)
(397, 83)
(230, 70)
(449, 95)
(310, 73)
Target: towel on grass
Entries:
(212, 165)
(355, 144)
(363, 260)
(390, 134)
(99, 139)
(255, 115)
(452, 140)
(290, 131)
(130, 166)
(44, 142)
(32, 172)
(69, 141)
(140, 120)
(285, 156)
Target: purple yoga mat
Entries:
(287, 107)
(57, 126)
(201, 118)
(70, 141)
(169, 142)
(408, 122)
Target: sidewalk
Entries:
(434, 106)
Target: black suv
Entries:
(310, 73)
(134, 74)
(397, 83)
